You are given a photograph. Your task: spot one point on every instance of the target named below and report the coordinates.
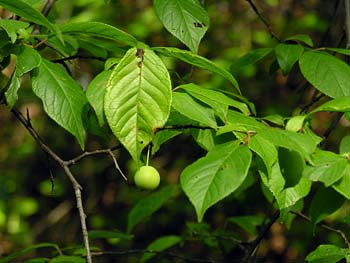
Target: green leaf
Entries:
(160, 244)
(342, 51)
(215, 99)
(198, 61)
(184, 104)
(185, 19)
(326, 73)
(250, 58)
(148, 205)
(328, 167)
(26, 250)
(27, 59)
(215, 176)
(326, 254)
(96, 234)
(95, 93)
(344, 146)
(68, 259)
(98, 29)
(341, 104)
(138, 99)
(325, 202)
(248, 223)
(204, 138)
(62, 98)
(302, 38)
(291, 195)
(295, 123)
(287, 55)
(11, 27)
(291, 164)
(24, 10)
(161, 137)
(342, 186)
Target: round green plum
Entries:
(147, 177)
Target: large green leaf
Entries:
(184, 104)
(341, 104)
(250, 58)
(328, 167)
(95, 93)
(197, 61)
(26, 11)
(185, 19)
(287, 55)
(328, 74)
(160, 244)
(68, 259)
(138, 99)
(27, 59)
(326, 253)
(148, 205)
(12, 26)
(215, 176)
(62, 97)
(99, 29)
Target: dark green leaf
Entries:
(96, 234)
(62, 97)
(250, 58)
(341, 104)
(326, 73)
(302, 38)
(95, 93)
(197, 61)
(342, 186)
(161, 137)
(98, 29)
(160, 244)
(287, 55)
(148, 205)
(215, 176)
(185, 19)
(26, 250)
(325, 202)
(248, 223)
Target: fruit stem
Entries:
(148, 150)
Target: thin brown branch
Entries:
(324, 226)
(182, 127)
(60, 60)
(265, 22)
(76, 186)
(47, 7)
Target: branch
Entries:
(47, 7)
(262, 234)
(138, 251)
(76, 186)
(324, 226)
(181, 127)
(331, 127)
(265, 22)
(60, 60)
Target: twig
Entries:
(104, 151)
(76, 186)
(181, 127)
(331, 127)
(265, 22)
(324, 226)
(262, 234)
(47, 7)
(138, 251)
(60, 60)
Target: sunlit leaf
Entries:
(138, 99)
(63, 99)
(287, 55)
(326, 254)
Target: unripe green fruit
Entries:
(147, 177)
